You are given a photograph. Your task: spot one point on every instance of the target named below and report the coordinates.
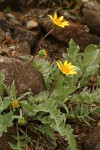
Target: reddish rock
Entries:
(79, 35)
(93, 140)
(7, 137)
(12, 68)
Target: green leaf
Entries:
(26, 108)
(73, 54)
(13, 146)
(45, 129)
(73, 49)
(59, 95)
(60, 83)
(1, 84)
(97, 80)
(21, 137)
(12, 91)
(95, 110)
(6, 121)
(39, 98)
(21, 142)
(70, 137)
(48, 70)
(91, 55)
(91, 70)
(57, 121)
(4, 103)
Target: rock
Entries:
(78, 34)
(5, 3)
(24, 48)
(54, 49)
(91, 16)
(2, 35)
(11, 25)
(17, 4)
(27, 3)
(12, 20)
(38, 13)
(31, 24)
(12, 68)
(93, 140)
(22, 34)
(4, 25)
(7, 137)
(84, 1)
(5, 30)
(15, 49)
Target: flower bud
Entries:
(21, 121)
(42, 53)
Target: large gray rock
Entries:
(12, 68)
(91, 16)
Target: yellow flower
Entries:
(42, 53)
(15, 103)
(59, 21)
(66, 68)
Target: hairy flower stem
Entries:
(27, 66)
(18, 137)
(20, 112)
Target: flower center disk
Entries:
(57, 21)
(65, 69)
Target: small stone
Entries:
(32, 24)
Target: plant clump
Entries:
(67, 96)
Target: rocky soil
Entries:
(22, 25)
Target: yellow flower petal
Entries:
(59, 64)
(61, 18)
(66, 23)
(51, 17)
(55, 15)
(65, 63)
